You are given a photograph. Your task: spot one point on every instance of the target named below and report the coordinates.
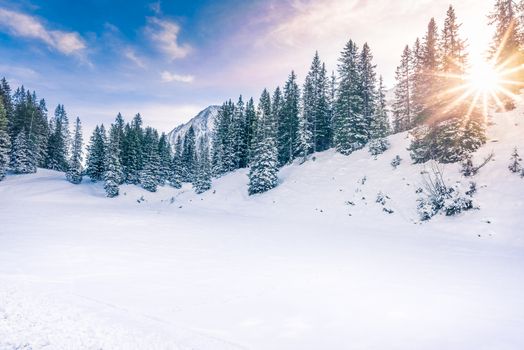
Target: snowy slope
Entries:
(203, 124)
(313, 264)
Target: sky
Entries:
(170, 59)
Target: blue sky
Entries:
(169, 59)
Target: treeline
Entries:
(431, 93)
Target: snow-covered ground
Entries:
(299, 267)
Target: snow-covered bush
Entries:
(378, 146)
(468, 169)
(437, 197)
(396, 161)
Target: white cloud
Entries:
(22, 25)
(168, 77)
(131, 55)
(165, 34)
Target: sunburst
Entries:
(485, 83)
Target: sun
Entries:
(484, 78)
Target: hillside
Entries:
(312, 264)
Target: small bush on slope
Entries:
(437, 197)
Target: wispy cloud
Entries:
(164, 33)
(22, 25)
(131, 55)
(168, 77)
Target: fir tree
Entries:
(402, 107)
(150, 174)
(315, 109)
(57, 144)
(349, 121)
(133, 155)
(74, 172)
(251, 126)
(113, 175)
(188, 156)
(202, 181)
(453, 48)
(5, 143)
(22, 158)
(175, 179)
(514, 165)
(380, 123)
(238, 136)
(447, 147)
(288, 124)
(263, 173)
(166, 157)
(430, 70)
(95, 164)
(368, 90)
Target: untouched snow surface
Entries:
(296, 268)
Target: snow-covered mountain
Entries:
(203, 124)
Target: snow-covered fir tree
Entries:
(166, 157)
(96, 156)
(349, 123)
(188, 156)
(150, 174)
(514, 165)
(75, 169)
(368, 89)
(202, 181)
(263, 172)
(402, 107)
(315, 109)
(251, 127)
(113, 175)
(380, 127)
(57, 143)
(22, 157)
(288, 123)
(5, 143)
(175, 178)
(133, 154)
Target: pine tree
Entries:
(74, 172)
(447, 147)
(238, 136)
(175, 178)
(223, 145)
(380, 123)
(113, 175)
(315, 109)
(251, 126)
(474, 134)
(166, 157)
(22, 157)
(453, 48)
(5, 143)
(349, 121)
(402, 107)
(263, 173)
(57, 144)
(288, 124)
(514, 165)
(133, 155)
(202, 181)
(431, 59)
(189, 156)
(420, 148)
(95, 164)
(150, 174)
(368, 87)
